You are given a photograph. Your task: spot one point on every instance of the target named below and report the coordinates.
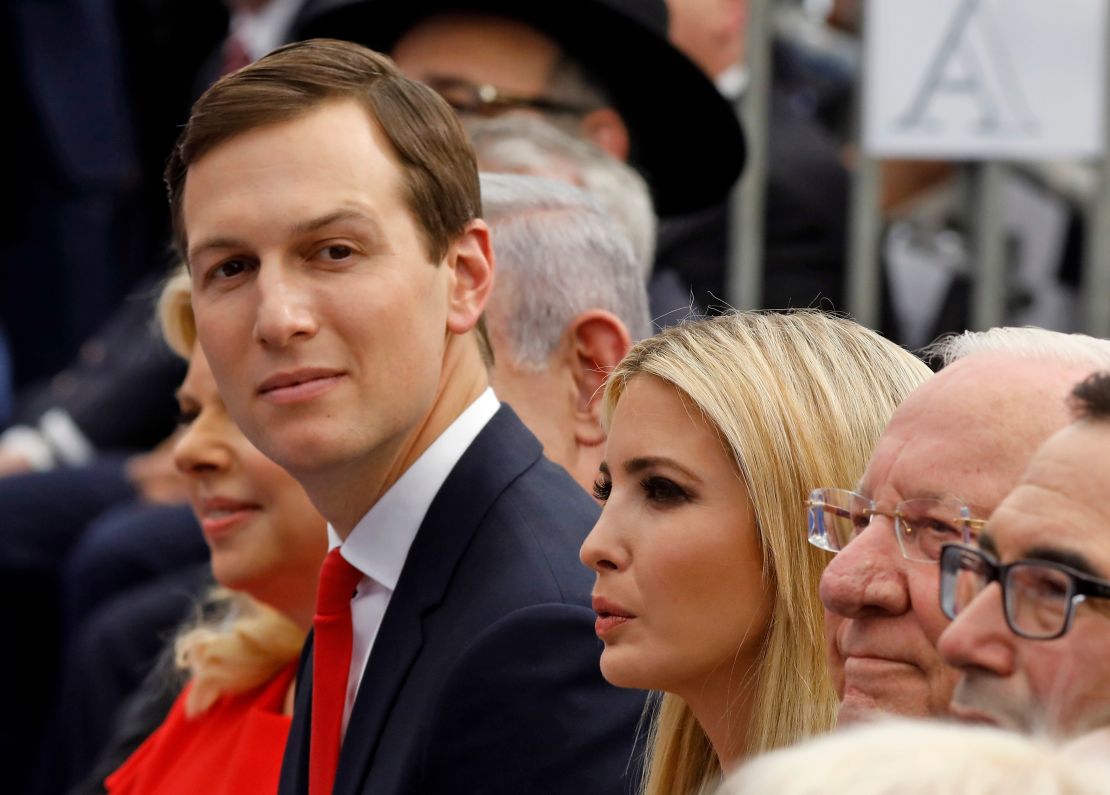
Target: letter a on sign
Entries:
(984, 78)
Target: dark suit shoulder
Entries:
(559, 726)
(549, 515)
(507, 522)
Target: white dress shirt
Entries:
(266, 28)
(380, 541)
(732, 82)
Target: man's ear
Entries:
(607, 129)
(595, 342)
(470, 256)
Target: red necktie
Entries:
(234, 56)
(331, 664)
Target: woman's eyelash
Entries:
(602, 488)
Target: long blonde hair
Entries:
(799, 398)
(235, 643)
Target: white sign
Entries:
(985, 79)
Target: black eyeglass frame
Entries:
(1080, 586)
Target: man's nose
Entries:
(979, 637)
(868, 575)
(285, 311)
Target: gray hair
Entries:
(1027, 342)
(558, 254)
(946, 759)
(529, 145)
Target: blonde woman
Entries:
(227, 730)
(706, 587)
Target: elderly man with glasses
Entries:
(950, 454)
(1031, 604)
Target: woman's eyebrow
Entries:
(635, 465)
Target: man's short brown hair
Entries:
(438, 167)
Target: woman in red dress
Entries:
(226, 732)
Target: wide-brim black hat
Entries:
(686, 139)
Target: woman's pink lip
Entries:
(606, 625)
(603, 607)
(216, 527)
(610, 616)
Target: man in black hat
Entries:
(605, 70)
(601, 69)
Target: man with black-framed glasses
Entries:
(950, 454)
(1031, 604)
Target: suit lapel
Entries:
(500, 453)
(294, 763)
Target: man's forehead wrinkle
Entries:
(929, 451)
(1034, 518)
(1015, 515)
(970, 430)
(1065, 495)
(1026, 393)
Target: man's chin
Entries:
(987, 701)
(861, 707)
(857, 708)
(975, 716)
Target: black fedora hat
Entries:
(686, 139)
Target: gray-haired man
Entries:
(959, 441)
(1034, 651)
(569, 301)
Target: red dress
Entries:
(234, 747)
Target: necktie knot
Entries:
(234, 55)
(338, 580)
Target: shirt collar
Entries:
(379, 543)
(265, 29)
(732, 82)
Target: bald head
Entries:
(978, 422)
(967, 434)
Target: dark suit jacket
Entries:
(805, 222)
(119, 390)
(484, 675)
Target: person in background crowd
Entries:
(963, 438)
(329, 209)
(93, 503)
(704, 590)
(525, 144)
(923, 758)
(227, 730)
(529, 144)
(805, 217)
(5, 378)
(569, 301)
(602, 70)
(1031, 636)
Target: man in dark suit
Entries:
(328, 209)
